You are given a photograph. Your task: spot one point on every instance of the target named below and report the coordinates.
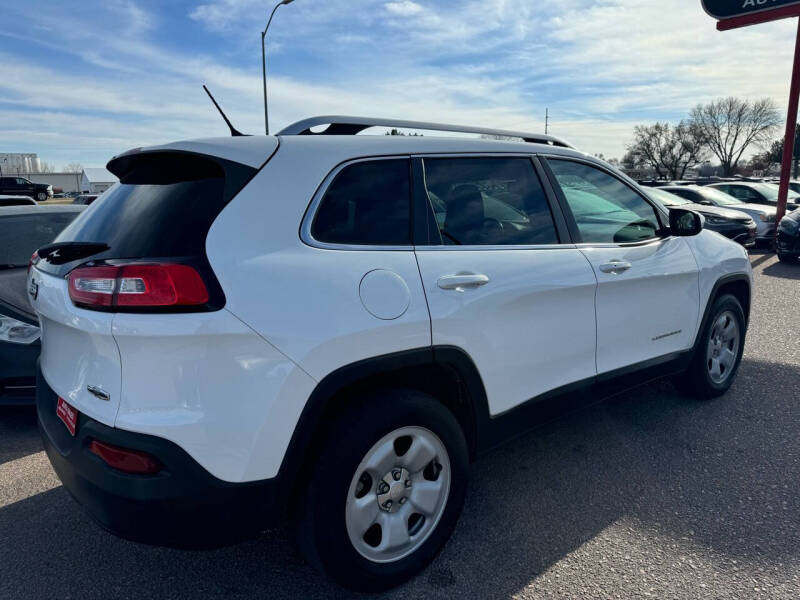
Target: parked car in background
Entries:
(22, 230)
(85, 199)
(733, 224)
(757, 193)
(794, 185)
(343, 352)
(6, 200)
(764, 216)
(19, 186)
(788, 244)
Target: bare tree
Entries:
(46, 167)
(73, 168)
(731, 125)
(670, 150)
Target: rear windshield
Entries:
(138, 221)
(163, 206)
(20, 235)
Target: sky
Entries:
(82, 81)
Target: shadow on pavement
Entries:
(783, 270)
(720, 474)
(18, 434)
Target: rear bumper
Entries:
(181, 506)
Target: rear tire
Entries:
(400, 449)
(718, 351)
(787, 258)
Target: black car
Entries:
(733, 224)
(19, 186)
(757, 193)
(23, 229)
(85, 199)
(789, 237)
(16, 201)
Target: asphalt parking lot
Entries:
(648, 494)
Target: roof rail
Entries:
(341, 125)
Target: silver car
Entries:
(764, 216)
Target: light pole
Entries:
(264, 62)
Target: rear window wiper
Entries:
(64, 252)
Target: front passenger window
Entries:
(605, 209)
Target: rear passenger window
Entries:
(488, 201)
(368, 203)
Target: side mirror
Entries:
(684, 222)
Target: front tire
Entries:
(41, 196)
(787, 258)
(718, 352)
(387, 491)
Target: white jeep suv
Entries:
(327, 328)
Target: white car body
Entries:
(229, 386)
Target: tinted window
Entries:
(368, 203)
(743, 193)
(20, 235)
(719, 197)
(684, 193)
(163, 207)
(605, 209)
(488, 201)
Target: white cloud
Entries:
(403, 8)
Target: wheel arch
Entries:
(736, 284)
(446, 373)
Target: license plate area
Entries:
(68, 415)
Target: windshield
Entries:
(770, 191)
(719, 197)
(666, 198)
(20, 235)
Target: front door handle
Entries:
(615, 266)
(462, 281)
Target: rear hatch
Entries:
(139, 248)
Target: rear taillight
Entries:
(123, 459)
(34, 259)
(137, 285)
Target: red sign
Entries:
(67, 414)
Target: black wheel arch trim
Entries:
(722, 281)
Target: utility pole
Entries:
(546, 121)
(264, 61)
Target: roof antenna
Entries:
(234, 132)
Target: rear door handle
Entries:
(615, 266)
(462, 281)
